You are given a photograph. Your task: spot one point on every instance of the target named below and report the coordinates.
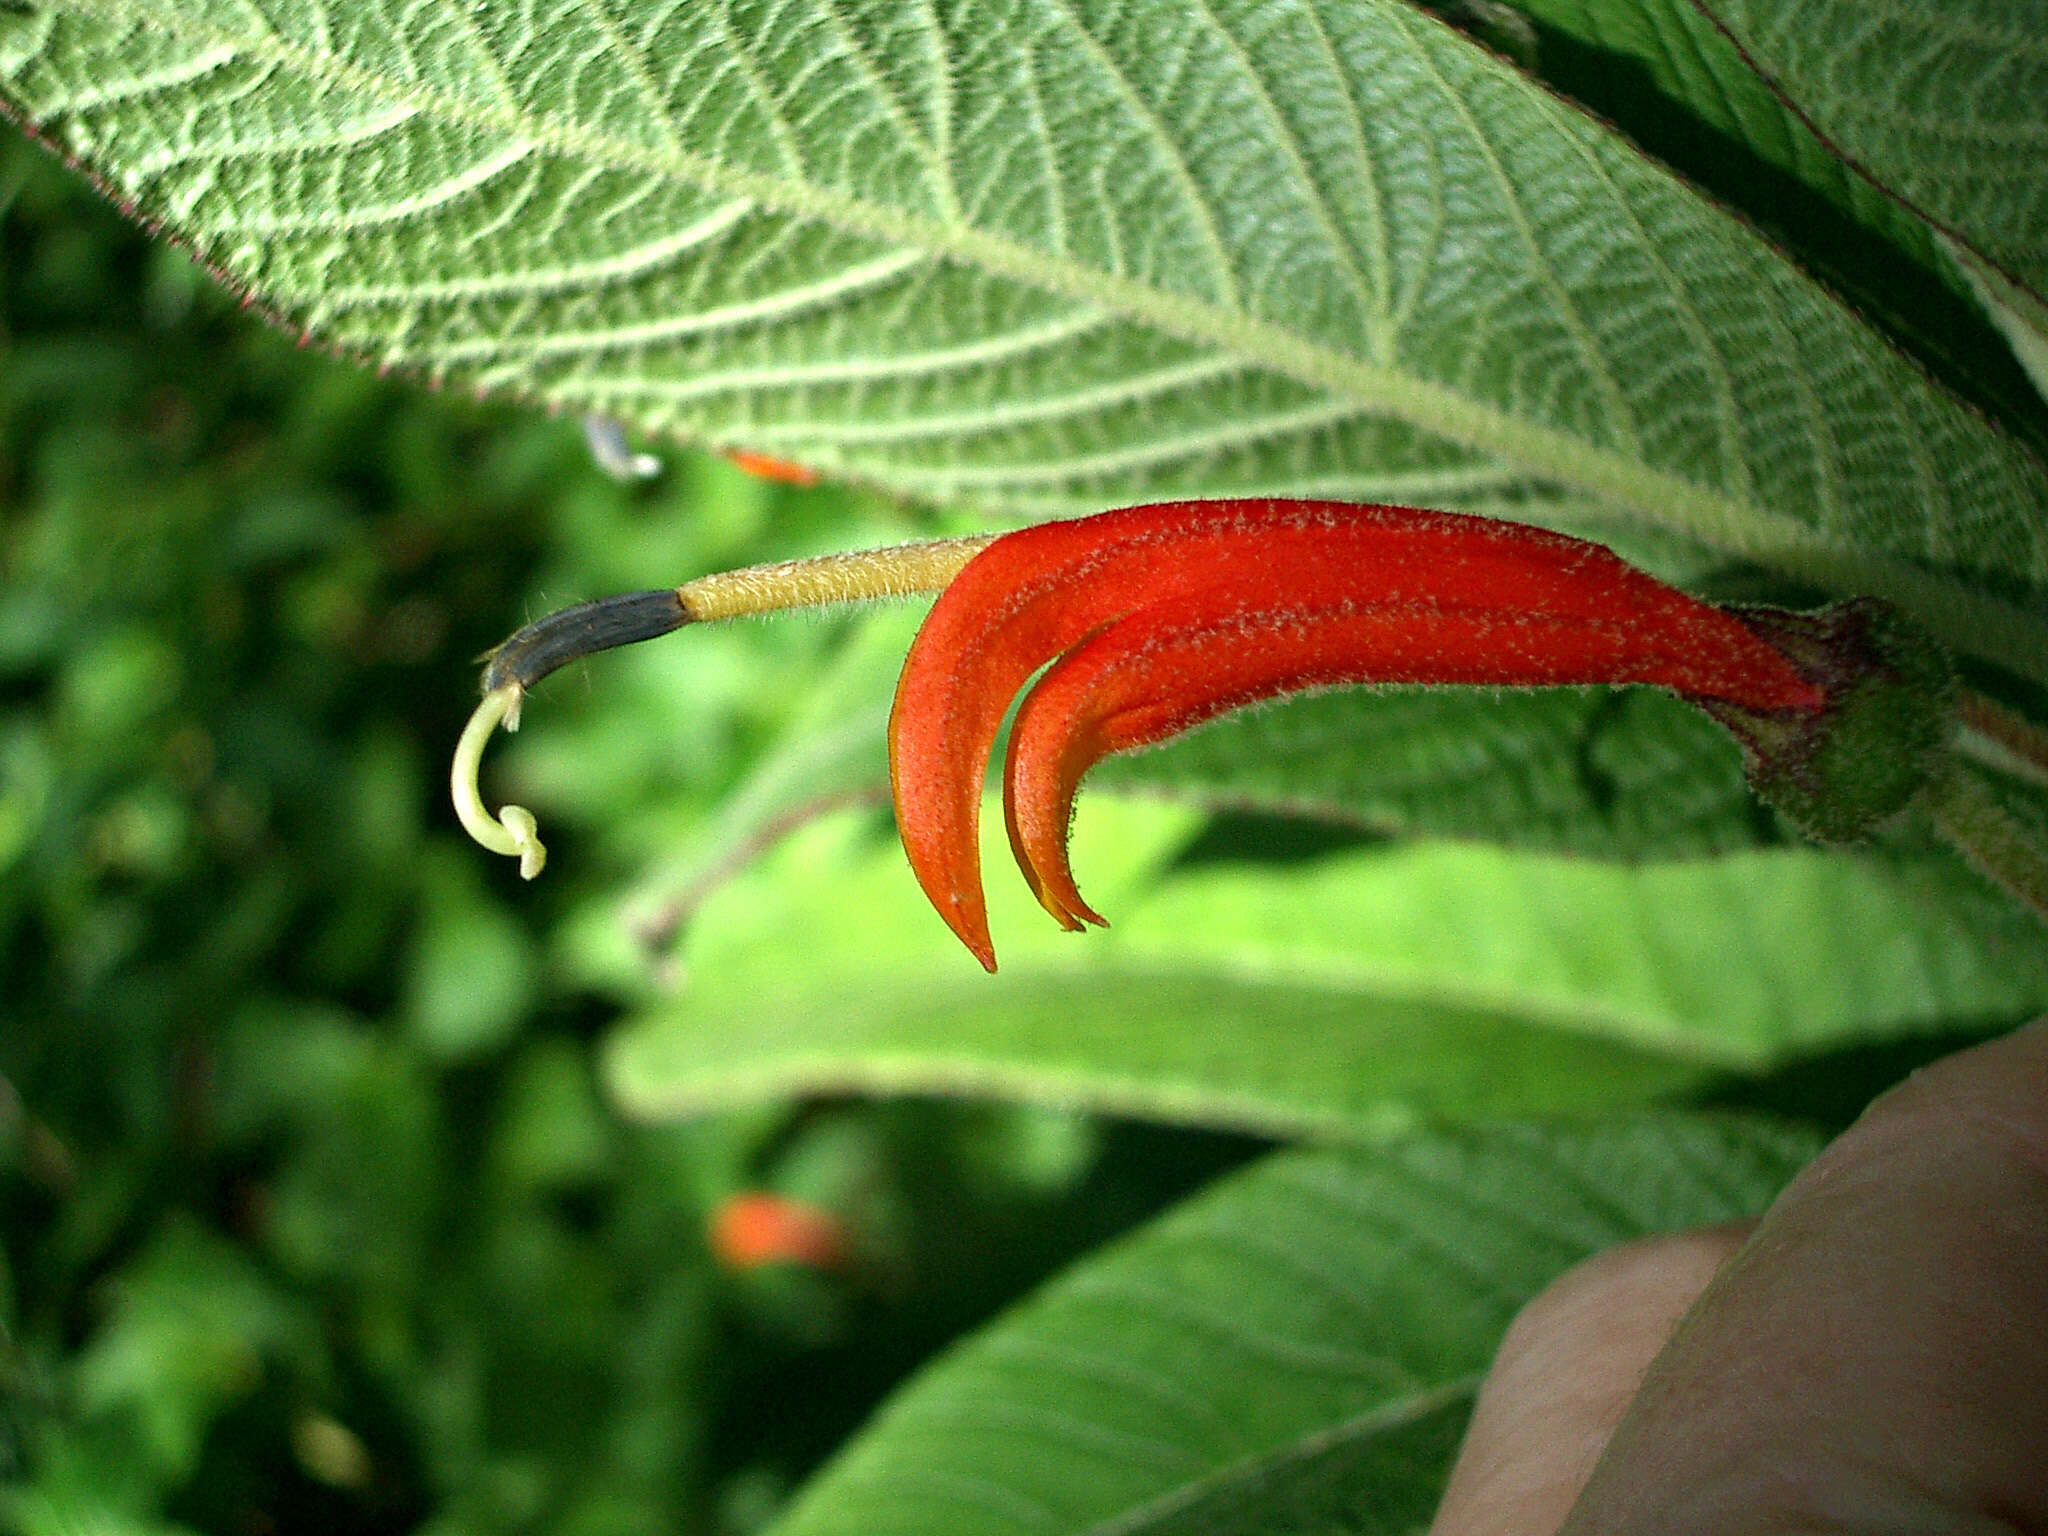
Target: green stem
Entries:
(1998, 736)
(1998, 844)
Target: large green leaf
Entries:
(1294, 1351)
(1693, 62)
(1632, 774)
(1838, 97)
(1942, 103)
(1334, 997)
(1049, 257)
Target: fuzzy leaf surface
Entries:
(1294, 1350)
(1916, 265)
(1943, 105)
(1603, 773)
(1049, 257)
(1335, 998)
(1694, 62)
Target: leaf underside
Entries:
(1336, 998)
(1050, 257)
(1293, 1351)
(1945, 107)
(1632, 773)
(1924, 125)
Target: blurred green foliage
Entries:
(313, 1216)
(317, 1210)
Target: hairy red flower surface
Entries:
(1158, 618)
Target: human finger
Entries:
(1563, 1376)
(1874, 1359)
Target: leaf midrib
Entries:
(1383, 1419)
(2000, 630)
(1432, 406)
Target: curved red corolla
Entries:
(1158, 618)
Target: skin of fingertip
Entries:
(1563, 1376)
(1873, 1361)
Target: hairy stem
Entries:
(2002, 738)
(2002, 846)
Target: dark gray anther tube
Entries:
(562, 637)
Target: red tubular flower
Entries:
(1158, 618)
(757, 1227)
